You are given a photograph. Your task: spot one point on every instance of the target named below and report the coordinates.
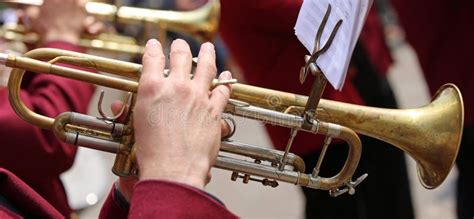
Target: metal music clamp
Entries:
(317, 89)
(319, 82)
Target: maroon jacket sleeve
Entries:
(33, 154)
(23, 199)
(163, 199)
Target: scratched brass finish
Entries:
(431, 134)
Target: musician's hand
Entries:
(58, 20)
(178, 120)
(126, 184)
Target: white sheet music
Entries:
(335, 61)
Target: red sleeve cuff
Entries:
(164, 199)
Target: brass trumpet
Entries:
(431, 134)
(103, 42)
(201, 24)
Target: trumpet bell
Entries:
(443, 119)
(431, 135)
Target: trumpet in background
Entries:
(201, 23)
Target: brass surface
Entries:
(430, 134)
(201, 24)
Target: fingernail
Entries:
(152, 48)
(226, 75)
(152, 42)
(207, 46)
(178, 41)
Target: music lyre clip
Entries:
(320, 80)
(319, 83)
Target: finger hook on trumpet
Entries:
(120, 112)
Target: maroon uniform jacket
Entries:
(151, 199)
(33, 154)
(260, 36)
(18, 198)
(164, 199)
(442, 33)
